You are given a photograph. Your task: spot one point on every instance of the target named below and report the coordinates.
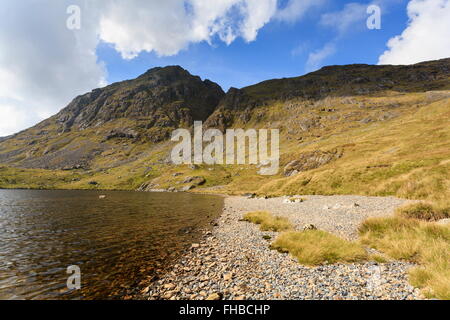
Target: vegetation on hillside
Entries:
(387, 126)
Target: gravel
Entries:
(234, 262)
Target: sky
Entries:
(52, 51)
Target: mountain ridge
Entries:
(117, 136)
(443, 64)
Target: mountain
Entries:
(335, 81)
(161, 97)
(146, 109)
(361, 129)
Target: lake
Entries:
(119, 243)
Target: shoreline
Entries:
(233, 261)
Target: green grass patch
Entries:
(316, 247)
(427, 244)
(268, 222)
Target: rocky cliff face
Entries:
(161, 97)
(331, 81)
(143, 110)
(109, 127)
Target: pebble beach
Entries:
(233, 261)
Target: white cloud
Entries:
(159, 26)
(166, 27)
(348, 17)
(43, 65)
(296, 9)
(10, 118)
(256, 14)
(316, 58)
(426, 36)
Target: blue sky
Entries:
(51, 51)
(280, 50)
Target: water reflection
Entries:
(118, 242)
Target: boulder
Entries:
(309, 227)
(311, 160)
(187, 188)
(196, 181)
(124, 133)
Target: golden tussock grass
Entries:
(316, 247)
(268, 222)
(424, 243)
(424, 211)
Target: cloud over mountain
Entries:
(43, 64)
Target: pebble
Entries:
(234, 261)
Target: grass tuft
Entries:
(268, 222)
(424, 211)
(378, 258)
(316, 247)
(425, 243)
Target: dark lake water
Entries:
(119, 243)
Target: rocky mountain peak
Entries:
(168, 73)
(168, 96)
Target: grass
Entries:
(424, 243)
(424, 211)
(268, 222)
(310, 247)
(407, 156)
(316, 247)
(378, 258)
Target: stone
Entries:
(204, 278)
(168, 295)
(227, 276)
(124, 133)
(196, 181)
(187, 188)
(309, 227)
(215, 296)
(311, 160)
(169, 286)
